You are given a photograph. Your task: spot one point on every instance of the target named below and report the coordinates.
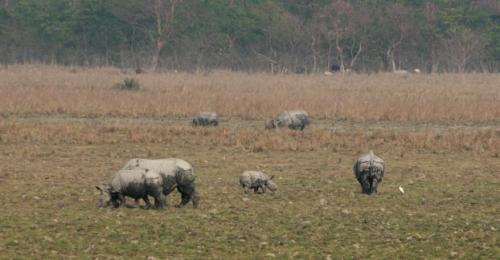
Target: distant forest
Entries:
(296, 36)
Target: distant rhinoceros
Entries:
(257, 180)
(294, 119)
(369, 171)
(205, 119)
(175, 173)
(135, 183)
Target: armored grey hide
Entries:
(369, 171)
(135, 183)
(294, 119)
(205, 119)
(256, 180)
(175, 173)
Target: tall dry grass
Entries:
(26, 89)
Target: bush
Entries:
(128, 84)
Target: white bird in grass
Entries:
(402, 190)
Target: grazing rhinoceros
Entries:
(175, 173)
(136, 183)
(255, 180)
(369, 171)
(205, 119)
(295, 119)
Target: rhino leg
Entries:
(117, 199)
(246, 188)
(116, 203)
(187, 194)
(255, 189)
(185, 198)
(159, 201)
(365, 184)
(195, 199)
(146, 200)
(374, 185)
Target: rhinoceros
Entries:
(294, 119)
(175, 173)
(205, 119)
(135, 183)
(369, 171)
(257, 180)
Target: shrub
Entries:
(129, 84)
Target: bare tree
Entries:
(164, 14)
(398, 24)
(335, 25)
(462, 47)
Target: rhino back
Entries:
(253, 178)
(365, 161)
(208, 115)
(284, 118)
(165, 167)
(172, 170)
(293, 118)
(298, 113)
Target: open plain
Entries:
(64, 130)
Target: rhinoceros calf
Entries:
(135, 183)
(294, 119)
(205, 119)
(175, 173)
(256, 180)
(369, 171)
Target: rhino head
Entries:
(273, 123)
(109, 197)
(270, 184)
(104, 196)
(270, 124)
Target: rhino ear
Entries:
(98, 188)
(272, 176)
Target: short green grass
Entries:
(450, 207)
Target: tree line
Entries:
(299, 36)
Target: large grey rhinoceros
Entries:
(369, 171)
(294, 119)
(175, 173)
(257, 180)
(136, 183)
(205, 119)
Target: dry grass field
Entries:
(80, 92)
(64, 130)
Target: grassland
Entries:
(80, 92)
(63, 130)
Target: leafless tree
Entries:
(164, 13)
(399, 23)
(463, 47)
